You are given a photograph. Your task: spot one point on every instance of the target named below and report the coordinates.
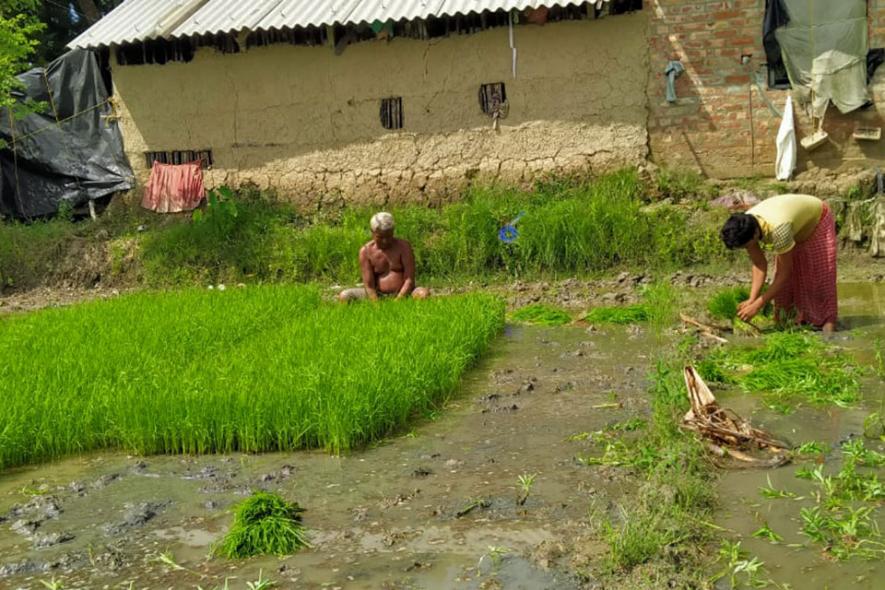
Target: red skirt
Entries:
(811, 291)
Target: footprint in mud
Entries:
(51, 540)
(136, 515)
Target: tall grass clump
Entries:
(541, 315)
(256, 369)
(564, 227)
(787, 366)
(264, 524)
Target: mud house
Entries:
(408, 99)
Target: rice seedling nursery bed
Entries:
(257, 369)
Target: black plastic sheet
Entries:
(71, 151)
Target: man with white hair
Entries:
(387, 265)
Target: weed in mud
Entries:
(261, 583)
(812, 448)
(788, 366)
(541, 315)
(53, 584)
(772, 493)
(264, 524)
(765, 532)
(739, 568)
(668, 523)
(255, 369)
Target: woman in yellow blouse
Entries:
(801, 232)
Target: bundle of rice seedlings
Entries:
(264, 524)
(630, 314)
(724, 304)
(542, 315)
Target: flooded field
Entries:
(437, 506)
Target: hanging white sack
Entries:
(786, 144)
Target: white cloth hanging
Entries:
(786, 144)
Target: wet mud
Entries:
(435, 507)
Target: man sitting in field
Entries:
(387, 265)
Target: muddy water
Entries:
(384, 517)
(862, 309)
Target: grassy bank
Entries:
(565, 227)
(256, 369)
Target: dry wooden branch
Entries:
(725, 431)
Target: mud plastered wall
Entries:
(306, 122)
(721, 125)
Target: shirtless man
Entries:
(387, 265)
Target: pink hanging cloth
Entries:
(174, 187)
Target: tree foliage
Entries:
(19, 30)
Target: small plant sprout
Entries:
(495, 554)
(261, 583)
(812, 448)
(526, 481)
(739, 567)
(772, 493)
(166, 558)
(53, 584)
(769, 535)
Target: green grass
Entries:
(541, 315)
(256, 369)
(569, 227)
(264, 524)
(629, 314)
(786, 367)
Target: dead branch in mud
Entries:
(726, 432)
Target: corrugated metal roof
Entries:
(222, 16)
(137, 20)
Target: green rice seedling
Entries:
(261, 583)
(264, 524)
(255, 369)
(541, 314)
(53, 584)
(636, 539)
(765, 532)
(630, 314)
(805, 473)
(495, 554)
(723, 305)
(526, 482)
(791, 365)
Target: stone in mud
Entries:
(77, 487)
(39, 508)
(25, 528)
(210, 505)
(105, 480)
(51, 540)
(207, 472)
(21, 568)
(422, 472)
(136, 515)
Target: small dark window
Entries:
(623, 6)
(492, 97)
(180, 157)
(392, 112)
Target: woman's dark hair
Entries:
(740, 229)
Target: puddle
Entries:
(384, 517)
(745, 510)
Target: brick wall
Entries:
(719, 126)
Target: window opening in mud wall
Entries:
(392, 112)
(180, 157)
(155, 51)
(492, 97)
(622, 6)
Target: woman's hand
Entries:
(749, 309)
